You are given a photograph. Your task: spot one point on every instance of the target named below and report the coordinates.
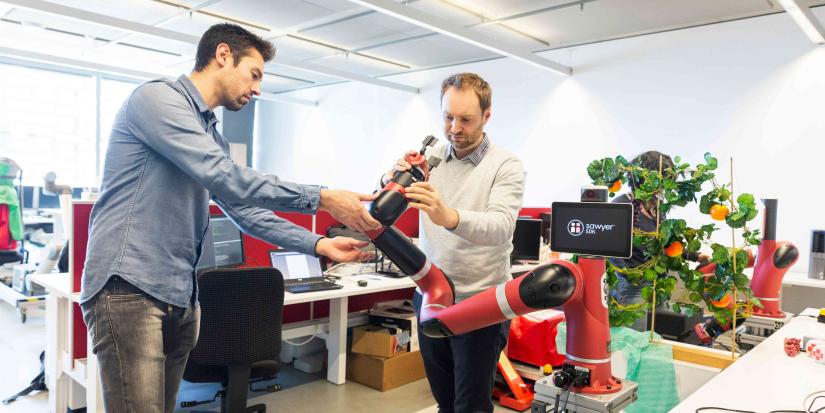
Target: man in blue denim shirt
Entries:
(165, 161)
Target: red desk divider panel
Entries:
(532, 212)
(78, 240)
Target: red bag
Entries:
(6, 243)
(533, 338)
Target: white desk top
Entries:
(765, 379)
(57, 284)
(796, 277)
(375, 283)
(61, 285)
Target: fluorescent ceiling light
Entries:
(805, 19)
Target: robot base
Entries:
(758, 328)
(545, 398)
(753, 331)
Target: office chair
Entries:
(240, 333)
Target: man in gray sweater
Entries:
(471, 204)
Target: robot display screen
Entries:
(592, 228)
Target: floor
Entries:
(21, 344)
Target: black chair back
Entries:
(241, 313)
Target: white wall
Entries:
(752, 89)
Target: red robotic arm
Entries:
(579, 288)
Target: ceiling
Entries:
(323, 42)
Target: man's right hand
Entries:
(343, 249)
(401, 165)
(346, 207)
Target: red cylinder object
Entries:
(588, 329)
(767, 279)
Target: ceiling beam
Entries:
(157, 32)
(158, 23)
(78, 64)
(458, 32)
(52, 60)
(805, 19)
(323, 70)
(286, 99)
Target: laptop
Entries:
(302, 273)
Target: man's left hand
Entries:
(424, 197)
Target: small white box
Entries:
(398, 314)
(310, 364)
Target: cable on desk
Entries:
(811, 405)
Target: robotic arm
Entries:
(579, 288)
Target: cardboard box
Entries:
(376, 341)
(398, 314)
(385, 374)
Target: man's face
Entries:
(242, 81)
(463, 119)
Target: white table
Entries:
(799, 291)
(338, 316)
(70, 381)
(765, 379)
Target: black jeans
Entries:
(141, 345)
(461, 369)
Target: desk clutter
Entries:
(384, 353)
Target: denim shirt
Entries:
(164, 162)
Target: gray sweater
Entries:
(476, 254)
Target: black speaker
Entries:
(545, 226)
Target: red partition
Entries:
(256, 253)
(533, 212)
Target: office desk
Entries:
(336, 339)
(765, 379)
(71, 381)
(798, 291)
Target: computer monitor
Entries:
(293, 265)
(526, 239)
(222, 245)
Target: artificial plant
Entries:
(665, 249)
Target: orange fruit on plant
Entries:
(674, 249)
(719, 212)
(723, 302)
(616, 186)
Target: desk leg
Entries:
(337, 341)
(94, 400)
(57, 312)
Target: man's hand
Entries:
(424, 197)
(401, 165)
(346, 207)
(343, 249)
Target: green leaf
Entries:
(594, 170)
(695, 297)
(720, 253)
(704, 204)
(650, 274)
(711, 161)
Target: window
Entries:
(49, 123)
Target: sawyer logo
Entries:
(575, 227)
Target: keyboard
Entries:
(298, 286)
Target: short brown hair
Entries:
(239, 40)
(480, 87)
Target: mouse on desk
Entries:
(362, 283)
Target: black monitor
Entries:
(592, 228)
(526, 239)
(222, 245)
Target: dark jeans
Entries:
(141, 345)
(461, 369)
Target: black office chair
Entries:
(240, 333)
